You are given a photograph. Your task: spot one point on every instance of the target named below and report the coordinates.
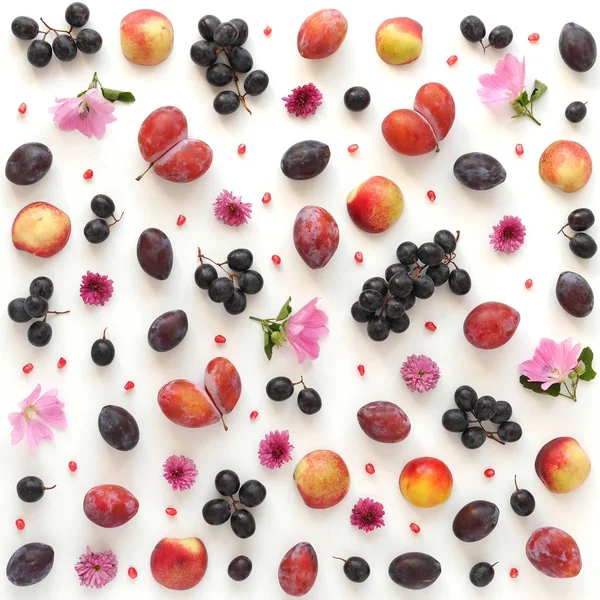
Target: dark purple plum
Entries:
(118, 428)
(168, 330)
(155, 253)
(414, 570)
(28, 163)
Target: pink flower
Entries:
(303, 100)
(304, 328)
(367, 515)
(505, 84)
(508, 236)
(89, 114)
(551, 363)
(95, 288)
(180, 472)
(275, 450)
(96, 569)
(231, 210)
(38, 414)
(420, 373)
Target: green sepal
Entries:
(586, 357)
(268, 344)
(285, 312)
(536, 386)
(539, 89)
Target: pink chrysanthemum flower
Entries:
(304, 328)
(180, 472)
(95, 288)
(508, 236)
(506, 83)
(420, 373)
(89, 114)
(552, 362)
(96, 569)
(231, 210)
(38, 413)
(367, 515)
(275, 450)
(303, 100)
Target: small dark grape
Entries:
(251, 282)
(423, 287)
(77, 14)
(216, 512)
(439, 274)
(394, 308)
(485, 408)
(236, 305)
(370, 300)
(207, 25)
(357, 569)
(401, 285)
(239, 568)
(205, 274)
(446, 239)
(465, 398)
(36, 306)
(510, 431)
(407, 253)
(17, 312)
(503, 412)
(220, 289)
(219, 74)
(430, 253)
(103, 352)
(64, 47)
(30, 489)
(225, 34)
(240, 260)
(42, 286)
(409, 301)
(39, 53)
(309, 401)
(39, 333)
(280, 388)
(376, 283)
(242, 28)
(96, 231)
(89, 41)
(393, 269)
(576, 112)
(256, 83)
(473, 438)
(357, 98)
(459, 282)
(500, 37)
(472, 28)
(359, 314)
(243, 523)
(204, 53)
(481, 574)
(399, 325)
(240, 60)
(102, 206)
(581, 219)
(25, 28)
(252, 493)
(226, 103)
(227, 482)
(522, 501)
(583, 245)
(455, 420)
(378, 329)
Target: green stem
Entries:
(530, 115)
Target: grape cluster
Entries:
(64, 45)
(581, 244)
(227, 40)
(222, 289)
(282, 388)
(35, 306)
(97, 231)
(485, 408)
(383, 303)
(473, 30)
(219, 511)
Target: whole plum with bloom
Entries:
(562, 465)
(566, 165)
(399, 40)
(298, 569)
(491, 325)
(41, 229)
(316, 236)
(414, 570)
(407, 132)
(96, 569)
(420, 373)
(187, 405)
(367, 515)
(475, 521)
(223, 384)
(179, 563)
(426, 482)
(384, 422)
(185, 162)
(28, 163)
(110, 505)
(322, 478)
(577, 47)
(375, 205)
(322, 34)
(305, 160)
(168, 330)
(155, 253)
(118, 428)
(435, 102)
(554, 553)
(146, 37)
(30, 564)
(574, 294)
(479, 171)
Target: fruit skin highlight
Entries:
(41, 229)
(562, 465)
(426, 482)
(554, 553)
(179, 563)
(321, 34)
(146, 37)
(399, 41)
(376, 204)
(566, 165)
(322, 478)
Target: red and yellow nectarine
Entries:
(41, 229)
(376, 204)
(322, 478)
(179, 563)
(426, 482)
(146, 37)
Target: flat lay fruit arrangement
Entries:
(407, 416)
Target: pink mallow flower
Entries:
(508, 236)
(552, 362)
(275, 450)
(303, 100)
(231, 210)
(420, 373)
(89, 114)
(38, 413)
(367, 515)
(506, 83)
(304, 328)
(96, 569)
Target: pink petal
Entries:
(36, 431)
(31, 398)
(306, 309)
(50, 410)
(17, 420)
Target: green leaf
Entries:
(268, 346)
(81, 94)
(523, 98)
(286, 310)
(275, 327)
(536, 386)
(587, 356)
(126, 97)
(539, 90)
(111, 95)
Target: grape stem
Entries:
(55, 312)
(338, 558)
(56, 31)
(116, 220)
(301, 382)
(489, 434)
(236, 80)
(220, 265)
(562, 230)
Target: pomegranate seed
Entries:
(171, 511)
(430, 325)
(266, 198)
(61, 363)
(361, 370)
(534, 37)
(529, 284)
(27, 368)
(253, 415)
(129, 385)
(489, 473)
(514, 573)
(267, 31)
(519, 149)
(358, 257)
(22, 108)
(431, 195)
(352, 148)
(20, 524)
(452, 59)
(415, 528)
(88, 174)
(242, 149)
(369, 468)
(220, 339)
(72, 466)
(181, 220)
(132, 573)
(276, 259)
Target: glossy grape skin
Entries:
(309, 401)
(574, 294)
(240, 260)
(42, 286)
(102, 206)
(24, 28)
(473, 438)
(485, 408)
(256, 83)
(465, 398)
(30, 564)
(407, 253)
(500, 37)
(118, 428)
(220, 289)
(17, 313)
(155, 253)
(414, 570)
(225, 34)
(305, 160)
(89, 41)
(28, 163)
(401, 285)
(102, 352)
(226, 103)
(204, 275)
(439, 274)
(475, 521)
(207, 25)
(77, 14)
(359, 314)
(357, 98)
(376, 283)
(446, 239)
(575, 112)
(242, 35)
(240, 60)
(459, 282)
(39, 53)
(409, 301)
(503, 412)
(64, 47)
(227, 482)
(30, 489)
(394, 308)
(481, 574)
(510, 432)
(577, 47)
(370, 300)
(252, 493)
(168, 330)
(39, 334)
(455, 420)
(237, 304)
(96, 231)
(423, 287)
(36, 306)
(522, 502)
(378, 329)
(399, 325)
(393, 269)
(239, 568)
(242, 523)
(356, 569)
(581, 219)
(251, 282)
(472, 28)
(216, 512)
(204, 53)
(583, 245)
(280, 388)
(479, 171)
(430, 253)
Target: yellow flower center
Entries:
(30, 413)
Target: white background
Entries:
(283, 520)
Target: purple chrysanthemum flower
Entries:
(96, 569)
(275, 450)
(231, 210)
(420, 373)
(508, 236)
(303, 100)
(180, 472)
(95, 288)
(367, 515)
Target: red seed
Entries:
(352, 148)
(361, 370)
(415, 528)
(88, 174)
(519, 149)
(132, 573)
(27, 368)
(452, 59)
(181, 220)
(171, 511)
(534, 37)
(241, 149)
(266, 198)
(61, 363)
(129, 385)
(369, 468)
(20, 524)
(22, 108)
(358, 257)
(529, 284)
(489, 473)
(276, 259)
(72, 466)
(430, 325)
(431, 195)
(267, 31)
(514, 573)
(253, 415)
(220, 339)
